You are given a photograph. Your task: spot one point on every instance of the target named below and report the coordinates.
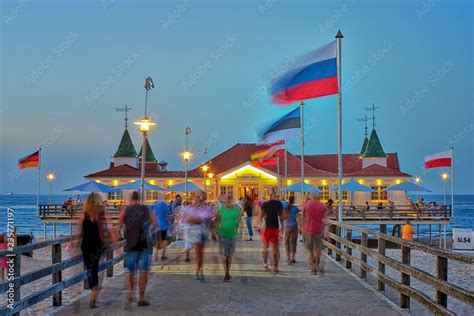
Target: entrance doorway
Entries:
(250, 190)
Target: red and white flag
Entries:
(438, 160)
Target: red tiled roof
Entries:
(129, 171)
(378, 170)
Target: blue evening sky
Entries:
(65, 66)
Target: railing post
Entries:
(338, 244)
(110, 256)
(330, 240)
(57, 276)
(363, 256)
(405, 278)
(17, 273)
(349, 249)
(381, 249)
(442, 274)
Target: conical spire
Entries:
(364, 145)
(126, 148)
(374, 147)
(150, 157)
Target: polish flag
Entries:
(438, 160)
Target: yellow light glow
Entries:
(170, 182)
(378, 182)
(208, 182)
(361, 181)
(248, 167)
(324, 182)
(306, 181)
(98, 181)
(115, 182)
(145, 123)
(417, 179)
(398, 181)
(205, 168)
(186, 155)
(210, 175)
(445, 175)
(152, 182)
(50, 176)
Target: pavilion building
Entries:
(233, 173)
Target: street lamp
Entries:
(144, 124)
(445, 177)
(50, 177)
(186, 157)
(417, 181)
(211, 175)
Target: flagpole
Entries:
(286, 170)
(452, 181)
(39, 179)
(339, 37)
(302, 150)
(278, 172)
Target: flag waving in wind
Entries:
(286, 127)
(314, 75)
(30, 161)
(440, 159)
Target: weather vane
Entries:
(124, 109)
(364, 119)
(372, 108)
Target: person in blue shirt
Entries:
(163, 213)
(290, 215)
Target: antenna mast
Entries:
(124, 109)
(372, 108)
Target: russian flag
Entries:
(313, 76)
(438, 160)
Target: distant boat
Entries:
(9, 193)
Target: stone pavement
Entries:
(172, 289)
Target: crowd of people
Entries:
(195, 223)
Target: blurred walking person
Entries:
(313, 222)
(137, 219)
(248, 210)
(271, 212)
(198, 218)
(95, 234)
(162, 212)
(290, 216)
(227, 225)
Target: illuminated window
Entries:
(324, 195)
(151, 195)
(380, 193)
(115, 196)
(227, 190)
(344, 195)
(268, 191)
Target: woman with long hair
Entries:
(95, 230)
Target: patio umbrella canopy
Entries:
(180, 187)
(92, 186)
(353, 186)
(407, 186)
(137, 185)
(306, 187)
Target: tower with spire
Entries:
(372, 151)
(126, 153)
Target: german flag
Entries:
(30, 161)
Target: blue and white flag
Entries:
(286, 127)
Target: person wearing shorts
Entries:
(290, 215)
(137, 219)
(313, 222)
(227, 225)
(271, 212)
(162, 212)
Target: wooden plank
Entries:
(405, 278)
(57, 276)
(380, 264)
(349, 249)
(442, 273)
(363, 256)
(338, 244)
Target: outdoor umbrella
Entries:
(407, 186)
(353, 186)
(92, 186)
(191, 187)
(137, 185)
(306, 187)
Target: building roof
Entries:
(374, 147)
(125, 171)
(126, 148)
(150, 157)
(364, 145)
(376, 170)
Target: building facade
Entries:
(232, 172)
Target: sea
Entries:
(25, 214)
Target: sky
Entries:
(66, 66)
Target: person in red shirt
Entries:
(314, 221)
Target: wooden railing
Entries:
(439, 282)
(62, 212)
(12, 286)
(398, 213)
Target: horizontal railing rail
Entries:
(13, 286)
(439, 282)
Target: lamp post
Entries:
(445, 177)
(211, 175)
(50, 177)
(417, 181)
(205, 168)
(186, 156)
(144, 124)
